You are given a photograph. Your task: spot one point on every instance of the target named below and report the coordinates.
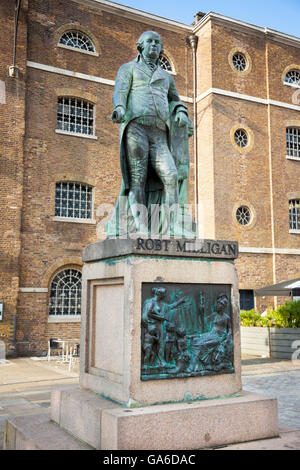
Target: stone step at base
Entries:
(38, 432)
(80, 412)
(97, 423)
(189, 425)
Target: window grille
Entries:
(239, 62)
(241, 138)
(293, 142)
(243, 215)
(73, 200)
(165, 63)
(293, 77)
(75, 115)
(77, 40)
(246, 299)
(294, 214)
(65, 293)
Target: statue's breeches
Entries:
(148, 144)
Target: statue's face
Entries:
(151, 45)
(221, 305)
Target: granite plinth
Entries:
(111, 319)
(82, 419)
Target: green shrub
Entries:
(284, 316)
(288, 315)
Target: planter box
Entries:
(270, 342)
(255, 341)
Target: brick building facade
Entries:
(232, 77)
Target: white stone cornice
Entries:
(136, 15)
(83, 76)
(269, 251)
(69, 73)
(241, 96)
(37, 290)
(248, 28)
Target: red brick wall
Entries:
(12, 126)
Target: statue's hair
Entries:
(222, 296)
(158, 290)
(140, 43)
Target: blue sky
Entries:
(282, 15)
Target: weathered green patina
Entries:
(154, 157)
(186, 330)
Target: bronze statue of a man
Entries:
(145, 101)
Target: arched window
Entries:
(166, 64)
(75, 116)
(293, 142)
(292, 78)
(73, 200)
(77, 40)
(65, 293)
(294, 213)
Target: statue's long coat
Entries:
(142, 92)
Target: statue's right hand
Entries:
(118, 115)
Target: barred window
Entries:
(75, 116)
(65, 293)
(293, 78)
(165, 63)
(73, 200)
(294, 214)
(293, 142)
(77, 40)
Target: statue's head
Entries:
(150, 45)
(170, 327)
(160, 292)
(222, 301)
(181, 332)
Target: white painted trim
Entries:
(82, 76)
(255, 250)
(186, 99)
(277, 251)
(64, 318)
(267, 32)
(2, 92)
(241, 96)
(74, 134)
(296, 159)
(283, 105)
(295, 231)
(291, 84)
(69, 73)
(33, 289)
(73, 220)
(121, 9)
(76, 49)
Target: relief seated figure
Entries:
(213, 350)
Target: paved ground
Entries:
(25, 389)
(25, 386)
(279, 379)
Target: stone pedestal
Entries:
(112, 312)
(119, 406)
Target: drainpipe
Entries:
(193, 41)
(13, 70)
